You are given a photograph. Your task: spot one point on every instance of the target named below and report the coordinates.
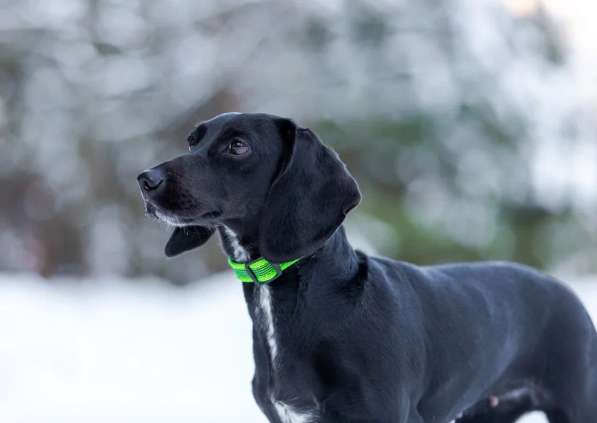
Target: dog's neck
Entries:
(300, 294)
(336, 261)
(238, 243)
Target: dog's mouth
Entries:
(174, 219)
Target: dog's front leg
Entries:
(263, 401)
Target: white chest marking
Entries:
(238, 251)
(265, 308)
(289, 415)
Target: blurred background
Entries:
(469, 124)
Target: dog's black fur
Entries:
(353, 338)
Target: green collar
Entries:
(260, 270)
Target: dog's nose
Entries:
(152, 179)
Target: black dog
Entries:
(343, 337)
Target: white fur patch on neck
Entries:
(265, 308)
(239, 253)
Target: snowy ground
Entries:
(131, 351)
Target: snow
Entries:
(121, 350)
(124, 351)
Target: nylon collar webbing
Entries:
(260, 270)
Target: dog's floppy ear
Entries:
(186, 238)
(308, 200)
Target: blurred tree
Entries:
(439, 111)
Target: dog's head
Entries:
(263, 172)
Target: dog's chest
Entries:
(264, 310)
(265, 314)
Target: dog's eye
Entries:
(238, 147)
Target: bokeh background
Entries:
(470, 125)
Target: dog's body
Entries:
(344, 337)
(362, 339)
